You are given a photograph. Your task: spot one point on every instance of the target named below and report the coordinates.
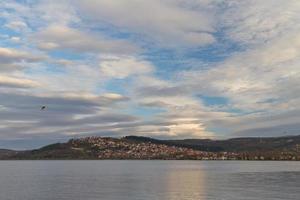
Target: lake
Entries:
(149, 180)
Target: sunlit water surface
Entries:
(149, 180)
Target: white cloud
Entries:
(75, 78)
(263, 79)
(56, 11)
(122, 67)
(15, 39)
(16, 25)
(114, 96)
(66, 38)
(16, 82)
(9, 55)
(164, 21)
(12, 60)
(255, 21)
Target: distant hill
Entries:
(5, 153)
(106, 148)
(136, 147)
(287, 143)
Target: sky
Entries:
(161, 68)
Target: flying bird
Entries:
(43, 107)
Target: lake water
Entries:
(149, 180)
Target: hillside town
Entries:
(112, 148)
(108, 148)
(139, 148)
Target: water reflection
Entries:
(185, 184)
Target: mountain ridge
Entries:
(139, 147)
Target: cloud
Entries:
(187, 23)
(16, 82)
(15, 59)
(102, 100)
(261, 124)
(21, 116)
(162, 91)
(253, 76)
(115, 97)
(9, 55)
(261, 81)
(66, 38)
(180, 113)
(107, 118)
(73, 76)
(255, 21)
(56, 11)
(123, 67)
(16, 25)
(15, 39)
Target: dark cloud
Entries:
(155, 104)
(65, 116)
(270, 131)
(55, 105)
